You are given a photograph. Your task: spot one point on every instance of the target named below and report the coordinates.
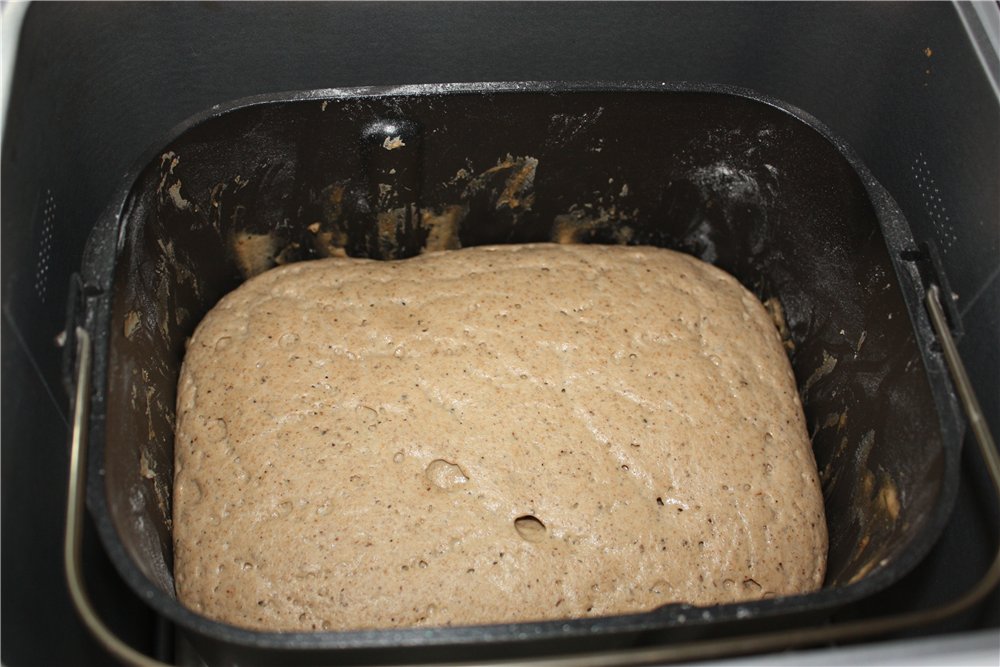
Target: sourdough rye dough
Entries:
(495, 434)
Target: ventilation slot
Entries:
(44, 264)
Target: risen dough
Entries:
(493, 434)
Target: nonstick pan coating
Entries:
(745, 182)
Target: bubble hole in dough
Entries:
(494, 434)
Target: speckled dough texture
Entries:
(495, 434)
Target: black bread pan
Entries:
(743, 181)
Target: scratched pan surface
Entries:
(745, 182)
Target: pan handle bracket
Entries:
(926, 260)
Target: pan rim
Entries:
(99, 270)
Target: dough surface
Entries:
(494, 434)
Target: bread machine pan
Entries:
(745, 182)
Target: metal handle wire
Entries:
(76, 508)
(695, 650)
